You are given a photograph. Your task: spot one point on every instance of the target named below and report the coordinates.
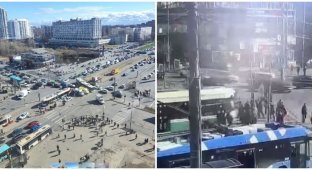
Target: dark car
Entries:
(39, 84)
(57, 85)
(114, 84)
(117, 94)
(18, 137)
(35, 87)
(16, 132)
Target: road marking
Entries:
(54, 119)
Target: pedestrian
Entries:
(229, 119)
(304, 70)
(64, 136)
(80, 137)
(59, 152)
(146, 140)
(58, 135)
(74, 135)
(97, 133)
(304, 112)
(59, 160)
(117, 125)
(260, 108)
(125, 126)
(136, 136)
(57, 147)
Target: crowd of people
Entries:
(249, 112)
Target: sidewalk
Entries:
(117, 149)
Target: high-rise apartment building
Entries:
(142, 34)
(77, 32)
(14, 30)
(137, 34)
(3, 24)
(25, 29)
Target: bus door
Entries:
(298, 155)
(309, 153)
(246, 157)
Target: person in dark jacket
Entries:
(304, 112)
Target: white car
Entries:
(103, 91)
(110, 88)
(23, 115)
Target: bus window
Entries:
(309, 156)
(298, 155)
(246, 157)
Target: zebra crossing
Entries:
(55, 117)
(122, 116)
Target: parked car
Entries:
(31, 124)
(121, 86)
(117, 94)
(34, 87)
(110, 88)
(114, 84)
(18, 137)
(34, 128)
(23, 115)
(16, 132)
(103, 91)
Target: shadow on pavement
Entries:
(149, 150)
(141, 144)
(132, 139)
(150, 120)
(51, 151)
(54, 156)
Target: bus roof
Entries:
(206, 94)
(239, 140)
(4, 148)
(31, 136)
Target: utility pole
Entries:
(195, 87)
(303, 35)
(168, 37)
(131, 115)
(283, 58)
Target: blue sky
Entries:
(43, 13)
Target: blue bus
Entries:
(256, 146)
(4, 152)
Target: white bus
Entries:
(33, 139)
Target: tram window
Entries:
(212, 157)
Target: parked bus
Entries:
(4, 152)
(256, 146)
(33, 139)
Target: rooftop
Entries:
(211, 93)
(251, 134)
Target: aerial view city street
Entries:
(234, 84)
(77, 85)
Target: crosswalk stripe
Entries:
(55, 118)
(58, 122)
(50, 115)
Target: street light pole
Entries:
(131, 115)
(194, 88)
